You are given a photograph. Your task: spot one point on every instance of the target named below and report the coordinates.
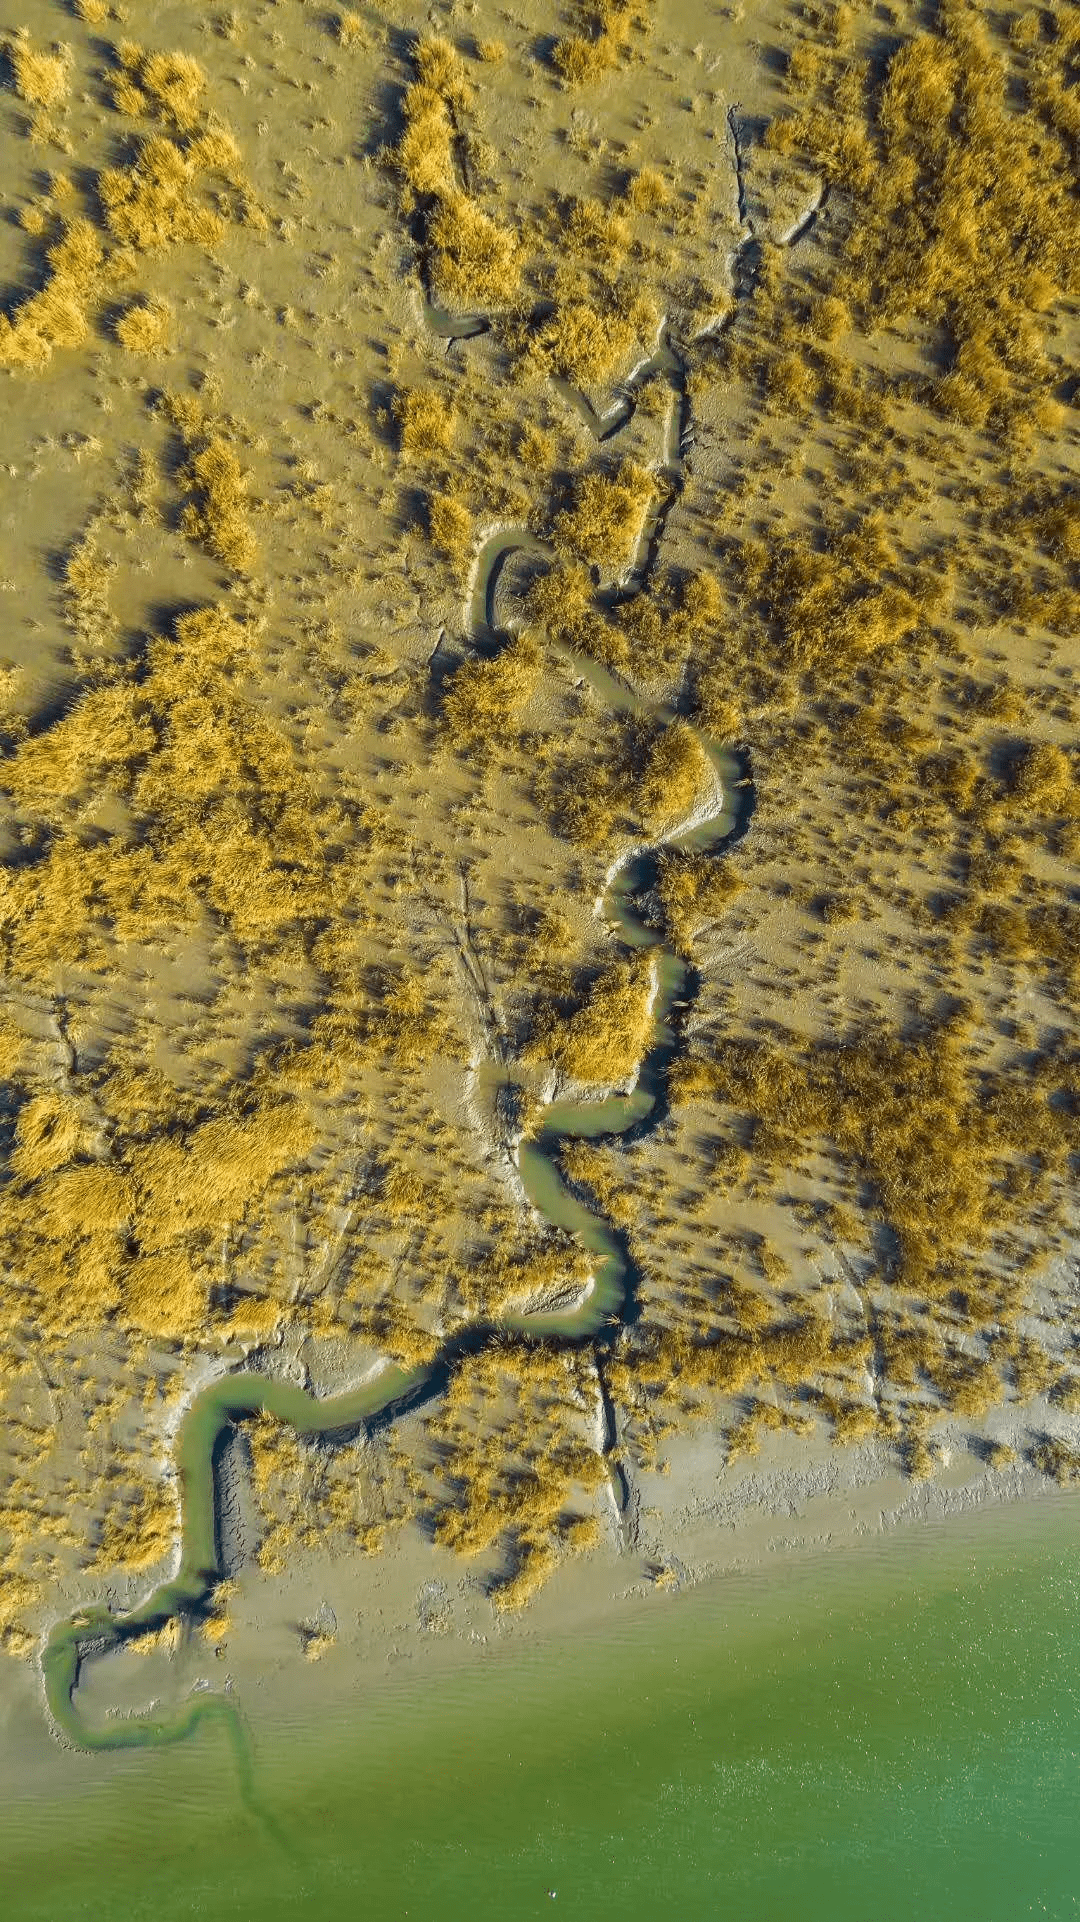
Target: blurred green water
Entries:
(876, 1735)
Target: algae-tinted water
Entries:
(886, 1733)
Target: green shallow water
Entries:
(877, 1735)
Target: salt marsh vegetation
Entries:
(295, 855)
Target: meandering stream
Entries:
(215, 1410)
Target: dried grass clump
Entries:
(164, 1296)
(449, 525)
(145, 328)
(49, 1129)
(583, 58)
(1045, 779)
(153, 204)
(604, 525)
(646, 191)
(41, 79)
(645, 779)
(425, 153)
(676, 773)
(350, 29)
(218, 515)
(57, 316)
(1058, 1459)
(834, 606)
(87, 573)
(208, 1177)
(168, 85)
(591, 344)
(694, 889)
(597, 231)
(139, 1532)
(1065, 1394)
(470, 257)
(507, 1439)
(474, 260)
(484, 698)
(602, 1042)
(426, 422)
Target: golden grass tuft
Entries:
(145, 328)
(582, 59)
(603, 527)
(426, 422)
(590, 345)
(350, 29)
(204, 1179)
(165, 1296)
(646, 191)
(140, 1532)
(935, 1145)
(675, 775)
(602, 1042)
(484, 697)
(449, 525)
(49, 1130)
(41, 79)
(57, 316)
(694, 889)
(168, 85)
(425, 153)
(218, 515)
(152, 205)
(474, 259)
(946, 124)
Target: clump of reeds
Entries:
(426, 422)
(603, 526)
(694, 889)
(168, 86)
(909, 1114)
(57, 316)
(138, 1531)
(472, 258)
(604, 1039)
(945, 122)
(676, 771)
(218, 514)
(484, 697)
(87, 573)
(42, 79)
(591, 340)
(449, 525)
(584, 57)
(144, 327)
(1058, 1459)
(153, 204)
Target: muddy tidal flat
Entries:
(539, 831)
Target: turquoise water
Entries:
(877, 1735)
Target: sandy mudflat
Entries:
(303, 866)
(699, 1526)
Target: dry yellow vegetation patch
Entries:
(603, 1040)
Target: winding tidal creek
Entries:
(606, 1304)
